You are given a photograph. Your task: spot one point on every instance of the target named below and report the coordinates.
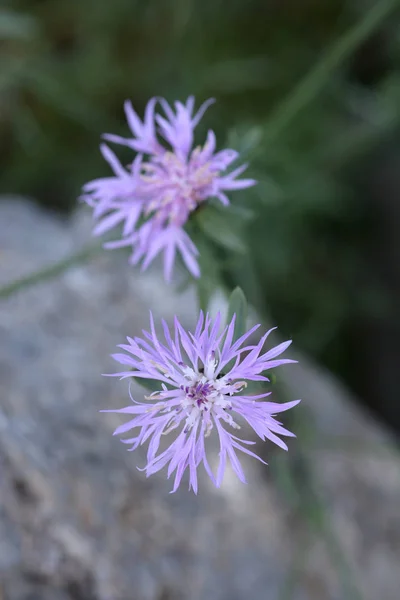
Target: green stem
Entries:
(203, 298)
(312, 84)
(48, 272)
(296, 569)
(301, 484)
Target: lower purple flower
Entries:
(202, 377)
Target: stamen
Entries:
(240, 385)
(155, 407)
(177, 187)
(170, 428)
(159, 367)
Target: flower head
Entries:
(166, 182)
(201, 379)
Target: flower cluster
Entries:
(153, 196)
(202, 377)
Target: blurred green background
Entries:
(317, 247)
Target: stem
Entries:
(48, 272)
(301, 483)
(296, 569)
(312, 84)
(203, 296)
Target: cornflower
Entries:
(154, 196)
(202, 378)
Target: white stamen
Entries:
(170, 428)
(155, 407)
(207, 398)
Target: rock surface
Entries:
(79, 521)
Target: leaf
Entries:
(271, 376)
(245, 139)
(238, 307)
(211, 276)
(218, 227)
(204, 293)
(241, 212)
(153, 385)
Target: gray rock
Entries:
(79, 521)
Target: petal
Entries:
(196, 119)
(112, 160)
(108, 223)
(134, 122)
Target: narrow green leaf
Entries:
(203, 295)
(149, 384)
(50, 271)
(244, 213)
(218, 227)
(314, 82)
(272, 378)
(238, 307)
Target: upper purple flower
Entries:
(166, 182)
(202, 377)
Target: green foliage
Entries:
(221, 228)
(152, 385)
(238, 307)
(291, 97)
(67, 67)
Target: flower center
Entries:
(175, 186)
(206, 399)
(203, 398)
(200, 396)
(199, 393)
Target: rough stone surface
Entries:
(79, 521)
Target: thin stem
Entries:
(310, 505)
(48, 272)
(301, 482)
(296, 569)
(312, 84)
(203, 297)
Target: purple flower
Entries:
(167, 181)
(114, 199)
(201, 378)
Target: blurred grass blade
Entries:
(238, 307)
(149, 384)
(312, 84)
(203, 295)
(49, 272)
(219, 228)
